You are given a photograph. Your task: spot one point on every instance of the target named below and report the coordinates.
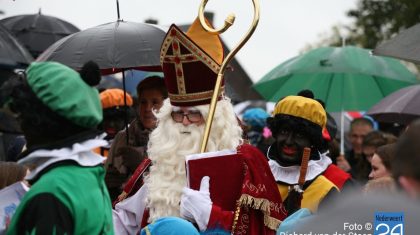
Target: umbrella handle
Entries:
(225, 62)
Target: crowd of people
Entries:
(103, 162)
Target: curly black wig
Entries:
(40, 125)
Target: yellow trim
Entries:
(313, 195)
(197, 96)
(146, 229)
(179, 68)
(194, 49)
(264, 205)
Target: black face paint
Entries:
(290, 143)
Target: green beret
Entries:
(64, 91)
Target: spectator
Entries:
(406, 164)
(371, 142)
(115, 115)
(125, 155)
(384, 185)
(381, 161)
(359, 128)
(255, 120)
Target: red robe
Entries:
(259, 210)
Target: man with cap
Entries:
(58, 112)
(114, 115)
(190, 63)
(297, 123)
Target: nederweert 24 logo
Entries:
(389, 223)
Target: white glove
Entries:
(196, 205)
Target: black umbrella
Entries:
(401, 107)
(114, 46)
(12, 53)
(37, 32)
(405, 45)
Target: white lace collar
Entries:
(290, 174)
(80, 152)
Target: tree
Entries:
(379, 20)
(374, 22)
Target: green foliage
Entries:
(379, 20)
(375, 21)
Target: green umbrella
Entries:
(345, 78)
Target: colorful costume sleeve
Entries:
(337, 176)
(45, 214)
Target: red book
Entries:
(226, 171)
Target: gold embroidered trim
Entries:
(236, 216)
(179, 70)
(263, 205)
(185, 41)
(197, 96)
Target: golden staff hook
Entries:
(228, 22)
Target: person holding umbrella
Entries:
(297, 124)
(125, 155)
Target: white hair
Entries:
(168, 146)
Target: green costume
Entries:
(52, 206)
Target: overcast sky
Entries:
(285, 26)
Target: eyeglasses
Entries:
(191, 116)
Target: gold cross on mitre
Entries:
(194, 46)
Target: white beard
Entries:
(170, 142)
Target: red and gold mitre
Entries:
(190, 63)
